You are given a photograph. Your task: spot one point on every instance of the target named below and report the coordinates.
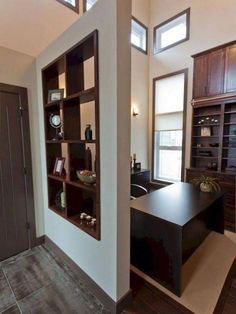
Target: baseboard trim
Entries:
(114, 307)
(40, 240)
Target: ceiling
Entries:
(29, 26)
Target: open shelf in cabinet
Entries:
(216, 150)
(76, 71)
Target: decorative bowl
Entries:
(86, 176)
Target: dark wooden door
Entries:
(216, 72)
(230, 70)
(200, 76)
(14, 217)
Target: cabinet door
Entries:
(216, 72)
(230, 71)
(200, 79)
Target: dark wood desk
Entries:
(140, 177)
(168, 225)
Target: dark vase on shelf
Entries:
(88, 132)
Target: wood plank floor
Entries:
(149, 300)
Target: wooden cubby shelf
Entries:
(76, 73)
(215, 155)
(220, 145)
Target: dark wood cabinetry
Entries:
(227, 183)
(213, 151)
(200, 76)
(230, 76)
(213, 148)
(76, 72)
(215, 72)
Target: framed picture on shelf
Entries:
(206, 131)
(55, 94)
(59, 166)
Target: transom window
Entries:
(72, 4)
(88, 4)
(168, 127)
(172, 32)
(139, 33)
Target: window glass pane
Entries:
(171, 32)
(89, 4)
(138, 35)
(169, 94)
(168, 127)
(168, 156)
(169, 165)
(170, 138)
(72, 2)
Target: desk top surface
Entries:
(177, 203)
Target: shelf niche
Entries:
(76, 71)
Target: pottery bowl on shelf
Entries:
(86, 176)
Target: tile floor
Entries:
(36, 282)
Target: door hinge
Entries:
(27, 225)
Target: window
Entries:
(88, 4)
(139, 34)
(72, 4)
(168, 126)
(172, 32)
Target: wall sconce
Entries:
(135, 111)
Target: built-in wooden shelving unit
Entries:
(76, 71)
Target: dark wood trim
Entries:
(146, 29)
(68, 5)
(214, 49)
(208, 100)
(40, 240)
(84, 5)
(185, 72)
(187, 12)
(97, 131)
(114, 307)
(22, 94)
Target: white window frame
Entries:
(167, 25)
(185, 72)
(145, 29)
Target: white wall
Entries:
(105, 261)
(20, 69)
(140, 89)
(212, 23)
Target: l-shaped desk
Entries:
(168, 225)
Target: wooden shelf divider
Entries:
(78, 107)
